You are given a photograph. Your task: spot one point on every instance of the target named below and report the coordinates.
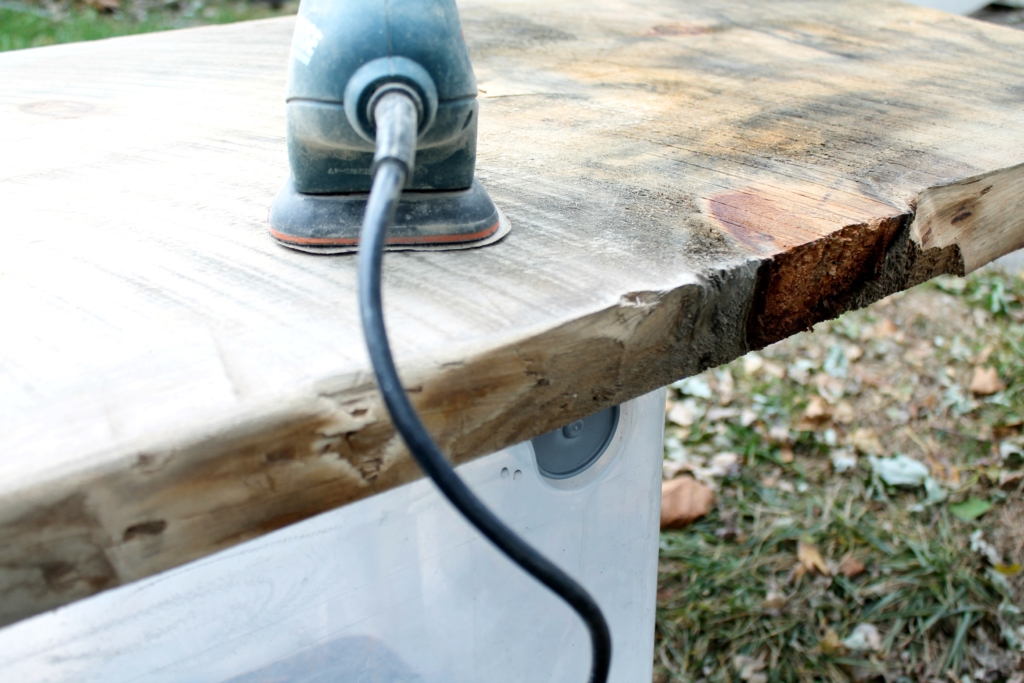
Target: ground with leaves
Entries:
(867, 521)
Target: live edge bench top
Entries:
(686, 181)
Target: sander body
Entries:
(345, 56)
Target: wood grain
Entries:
(686, 181)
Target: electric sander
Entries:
(346, 56)
(381, 128)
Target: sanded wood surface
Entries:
(686, 181)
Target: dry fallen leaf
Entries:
(684, 500)
(831, 644)
(774, 370)
(726, 387)
(779, 434)
(1007, 569)
(985, 381)
(900, 470)
(775, 600)
(843, 460)
(724, 465)
(786, 454)
(750, 669)
(984, 548)
(938, 463)
(983, 356)
(752, 364)
(851, 567)
(918, 353)
(811, 559)
(832, 388)
(865, 638)
(866, 441)
(818, 411)
(684, 413)
(719, 414)
(770, 481)
(1010, 480)
(884, 328)
(671, 469)
(845, 413)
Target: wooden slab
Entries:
(686, 181)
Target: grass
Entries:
(943, 593)
(25, 25)
(721, 597)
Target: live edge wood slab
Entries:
(686, 181)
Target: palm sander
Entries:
(381, 128)
(346, 57)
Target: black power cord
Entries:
(392, 163)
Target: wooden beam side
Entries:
(157, 506)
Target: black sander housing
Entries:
(346, 55)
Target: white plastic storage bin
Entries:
(397, 588)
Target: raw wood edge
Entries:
(982, 216)
(153, 508)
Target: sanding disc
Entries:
(424, 221)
